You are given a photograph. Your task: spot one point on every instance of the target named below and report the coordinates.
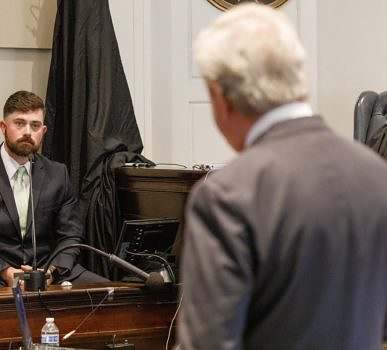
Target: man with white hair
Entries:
(285, 247)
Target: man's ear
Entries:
(217, 95)
(230, 108)
(3, 126)
(215, 89)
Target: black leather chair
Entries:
(370, 115)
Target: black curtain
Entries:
(88, 103)
(90, 119)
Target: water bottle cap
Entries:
(49, 319)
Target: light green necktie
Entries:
(21, 194)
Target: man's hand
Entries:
(7, 275)
(28, 268)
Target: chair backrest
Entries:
(370, 115)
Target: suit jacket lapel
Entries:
(8, 198)
(38, 174)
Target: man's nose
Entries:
(27, 129)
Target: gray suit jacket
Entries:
(286, 247)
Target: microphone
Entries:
(153, 280)
(31, 158)
(36, 279)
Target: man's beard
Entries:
(22, 147)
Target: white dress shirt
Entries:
(285, 112)
(11, 166)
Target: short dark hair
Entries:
(22, 101)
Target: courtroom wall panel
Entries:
(194, 138)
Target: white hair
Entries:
(255, 55)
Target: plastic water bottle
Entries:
(50, 333)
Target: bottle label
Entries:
(50, 338)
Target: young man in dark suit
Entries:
(54, 204)
(286, 246)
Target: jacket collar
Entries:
(7, 196)
(277, 115)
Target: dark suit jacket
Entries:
(55, 219)
(286, 247)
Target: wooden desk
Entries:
(156, 192)
(133, 314)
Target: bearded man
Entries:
(54, 203)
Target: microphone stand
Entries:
(36, 279)
(153, 280)
(33, 231)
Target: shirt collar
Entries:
(285, 112)
(11, 165)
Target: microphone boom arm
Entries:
(36, 280)
(112, 258)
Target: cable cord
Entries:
(172, 322)
(93, 310)
(91, 299)
(50, 313)
(208, 173)
(180, 165)
(166, 263)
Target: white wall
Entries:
(132, 24)
(27, 23)
(159, 42)
(23, 69)
(352, 57)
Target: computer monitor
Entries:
(146, 243)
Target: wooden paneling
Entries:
(132, 313)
